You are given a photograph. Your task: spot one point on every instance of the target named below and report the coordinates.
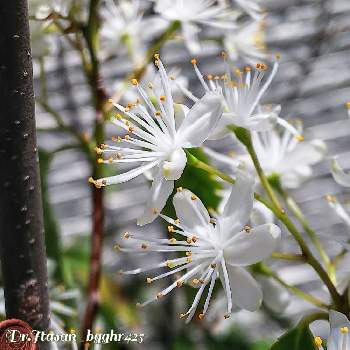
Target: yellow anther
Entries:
(118, 116)
(210, 77)
(213, 266)
(134, 82)
(227, 316)
(172, 240)
(159, 295)
(177, 221)
(189, 260)
(126, 109)
(300, 138)
(194, 61)
(188, 253)
(178, 284)
(110, 160)
(149, 280)
(119, 139)
(189, 240)
(195, 281)
(194, 239)
(344, 330)
(127, 137)
(156, 56)
(238, 72)
(169, 264)
(247, 228)
(348, 105)
(170, 228)
(117, 247)
(144, 246)
(330, 198)
(158, 113)
(278, 56)
(154, 211)
(127, 235)
(72, 331)
(98, 150)
(318, 341)
(247, 68)
(110, 100)
(100, 160)
(182, 315)
(162, 98)
(194, 197)
(150, 85)
(91, 180)
(200, 317)
(179, 189)
(119, 155)
(130, 129)
(171, 77)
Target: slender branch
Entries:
(244, 136)
(288, 256)
(23, 257)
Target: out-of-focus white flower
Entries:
(339, 337)
(242, 99)
(276, 297)
(252, 7)
(161, 140)
(193, 12)
(42, 8)
(339, 175)
(339, 209)
(248, 42)
(123, 23)
(285, 155)
(219, 247)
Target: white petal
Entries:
(191, 211)
(221, 130)
(247, 248)
(339, 175)
(337, 320)
(172, 169)
(261, 121)
(181, 111)
(307, 153)
(246, 292)
(190, 32)
(128, 175)
(200, 120)
(261, 214)
(160, 192)
(239, 204)
(276, 297)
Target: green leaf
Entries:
(298, 338)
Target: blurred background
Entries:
(312, 84)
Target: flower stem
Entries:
(244, 136)
(288, 256)
(192, 160)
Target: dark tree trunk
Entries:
(21, 224)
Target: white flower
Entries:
(339, 175)
(42, 8)
(159, 140)
(252, 7)
(276, 297)
(247, 42)
(193, 12)
(123, 24)
(215, 248)
(242, 98)
(285, 155)
(339, 209)
(339, 337)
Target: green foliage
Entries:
(298, 338)
(200, 182)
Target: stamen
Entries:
(344, 330)
(194, 197)
(318, 341)
(179, 189)
(134, 82)
(330, 198)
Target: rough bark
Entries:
(22, 248)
